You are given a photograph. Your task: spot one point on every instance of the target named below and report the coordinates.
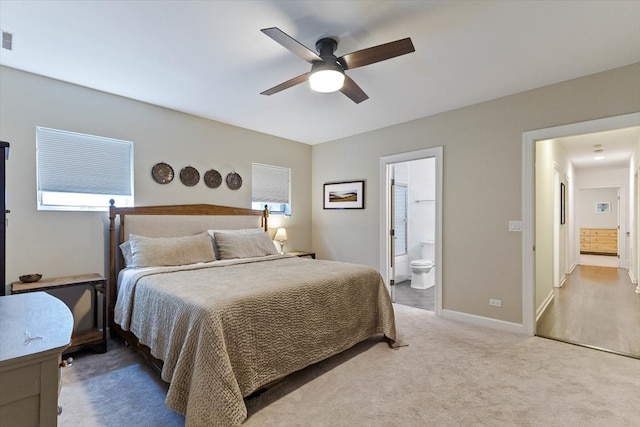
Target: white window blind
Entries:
(400, 217)
(271, 185)
(82, 172)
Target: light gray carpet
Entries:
(451, 374)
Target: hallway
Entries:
(596, 307)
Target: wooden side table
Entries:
(302, 254)
(93, 338)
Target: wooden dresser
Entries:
(35, 328)
(599, 241)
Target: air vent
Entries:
(7, 40)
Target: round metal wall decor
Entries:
(212, 178)
(189, 176)
(234, 180)
(162, 173)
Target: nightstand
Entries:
(302, 254)
(93, 338)
(35, 329)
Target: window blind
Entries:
(70, 162)
(270, 184)
(400, 217)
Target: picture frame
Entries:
(562, 203)
(603, 207)
(343, 195)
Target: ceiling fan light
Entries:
(326, 80)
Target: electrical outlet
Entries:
(495, 302)
(515, 225)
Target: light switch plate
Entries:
(515, 225)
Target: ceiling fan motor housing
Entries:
(326, 46)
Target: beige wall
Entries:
(482, 176)
(482, 183)
(66, 243)
(544, 173)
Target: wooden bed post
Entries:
(112, 267)
(265, 216)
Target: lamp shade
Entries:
(281, 234)
(326, 77)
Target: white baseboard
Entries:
(632, 277)
(544, 305)
(573, 267)
(484, 321)
(563, 281)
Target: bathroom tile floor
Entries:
(418, 298)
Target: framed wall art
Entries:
(563, 198)
(344, 195)
(603, 207)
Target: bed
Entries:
(203, 293)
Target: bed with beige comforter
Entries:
(227, 328)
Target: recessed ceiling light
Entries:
(598, 158)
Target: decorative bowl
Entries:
(29, 278)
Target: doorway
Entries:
(539, 238)
(389, 263)
(414, 232)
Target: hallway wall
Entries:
(421, 204)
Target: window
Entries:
(82, 172)
(271, 186)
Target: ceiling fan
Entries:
(328, 72)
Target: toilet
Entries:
(422, 273)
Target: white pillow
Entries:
(125, 248)
(241, 245)
(158, 251)
(212, 233)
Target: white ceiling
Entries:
(617, 147)
(209, 58)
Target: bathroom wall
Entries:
(421, 204)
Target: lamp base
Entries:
(281, 247)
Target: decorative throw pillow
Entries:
(159, 251)
(244, 245)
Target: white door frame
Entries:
(385, 163)
(528, 198)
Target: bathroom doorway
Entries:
(411, 216)
(414, 232)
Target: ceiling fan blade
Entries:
(292, 44)
(375, 54)
(286, 85)
(353, 91)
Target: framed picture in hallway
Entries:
(344, 195)
(562, 203)
(603, 207)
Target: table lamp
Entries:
(281, 236)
